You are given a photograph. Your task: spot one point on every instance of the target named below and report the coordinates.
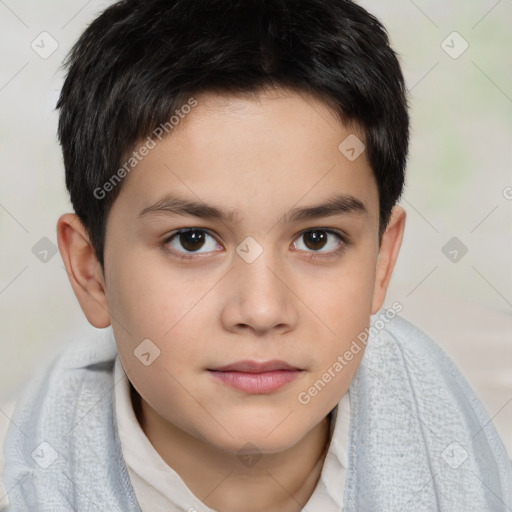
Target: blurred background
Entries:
(453, 275)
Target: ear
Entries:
(83, 268)
(388, 254)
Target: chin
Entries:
(264, 438)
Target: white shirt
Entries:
(158, 488)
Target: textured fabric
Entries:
(65, 454)
(419, 438)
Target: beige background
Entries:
(458, 174)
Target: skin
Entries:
(260, 156)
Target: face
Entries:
(252, 273)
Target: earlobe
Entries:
(83, 269)
(388, 254)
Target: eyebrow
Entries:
(336, 205)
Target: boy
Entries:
(234, 170)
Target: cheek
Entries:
(148, 297)
(343, 305)
(151, 314)
(344, 299)
(155, 327)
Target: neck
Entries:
(277, 482)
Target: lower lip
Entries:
(256, 383)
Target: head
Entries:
(234, 168)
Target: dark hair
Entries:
(140, 60)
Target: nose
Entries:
(259, 298)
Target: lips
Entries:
(255, 367)
(252, 377)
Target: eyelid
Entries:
(186, 255)
(343, 237)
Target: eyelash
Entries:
(311, 255)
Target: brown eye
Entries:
(314, 240)
(190, 241)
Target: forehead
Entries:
(273, 148)
(278, 119)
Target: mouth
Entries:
(256, 378)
